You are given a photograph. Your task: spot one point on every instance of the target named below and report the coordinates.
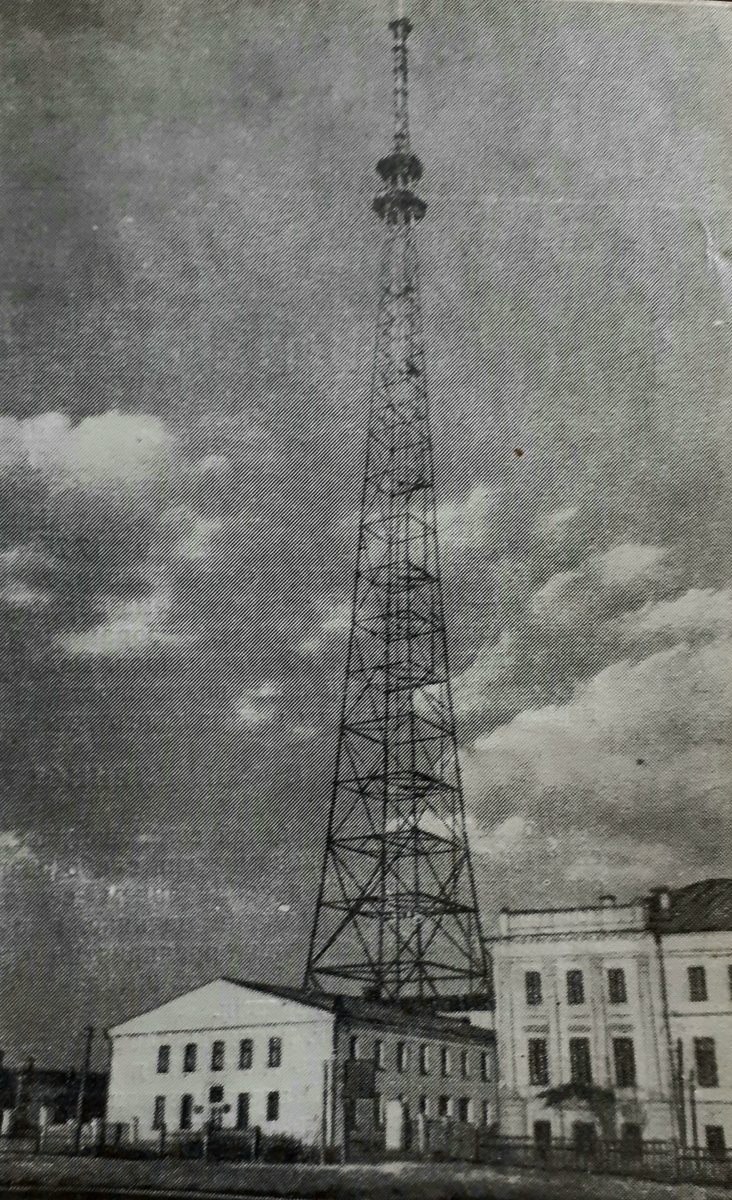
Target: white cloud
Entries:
(338, 619)
(114, 447)
(720, 266)
(624, 563)
(18, 595)
(698, 610)
(465, 525)
(195, 545)
(310, 646)
(212, 464)
(250, 714)
(130, 627)
(556, 521)
(614, 774)
(13, 849)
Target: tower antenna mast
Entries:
(397, 912)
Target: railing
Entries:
(443, 1140)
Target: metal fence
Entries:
(436, 1140)
(461, 1142)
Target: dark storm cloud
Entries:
(189, 252)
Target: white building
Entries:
(238, 1054)
(693, 929)
(625, 1008)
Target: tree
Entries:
(599, 1100)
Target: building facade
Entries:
(693, 930)
(615, 1021)
(235, 1055)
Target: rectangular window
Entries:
(616, 989)
(464, 1108)
(716, 1145)
(216, 1094)
(443, 1106)
(190, 1054)
(379, 1055)
(464, 1064)
(273, 1106)
(631, 1140)
(624, 1056)
(538, 1062)
(705, 1057)
(352, 1048)
(378, 1110)
(246, 1054)
(402, 1056)
(543, 1136)
(186, 1111)
(242, 1110)
(444, 1061)
(159, 1113)
(424, 1105)
(163, 1060)
(486, 1112)
(274, 1058)
(217, 1056)
(484, 1066)
(424, 1060)
(575, 987)
(533, 987)
(697, 983)
(580, 1063)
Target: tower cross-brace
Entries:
(397, 912)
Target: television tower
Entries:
(397, 913)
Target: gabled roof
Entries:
(298, 995)
(355, 1008)
(699, 907)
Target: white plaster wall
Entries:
(707, 1018)
(554, 950)
(218, 1013)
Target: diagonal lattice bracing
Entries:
(397, 913)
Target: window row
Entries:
(623, 1056)
(461, 1108)
(218, 1055)
(580, 1061)
(424, 1059)
(617, 992)
(214, 1117)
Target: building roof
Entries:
(406, 1016)
(392, 1016)
(702, 906)
(299, 995)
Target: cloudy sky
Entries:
(186, 323)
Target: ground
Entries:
(393, 1181)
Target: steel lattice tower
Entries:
(397, 910)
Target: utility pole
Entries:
(89, 1036)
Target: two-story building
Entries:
(616, 1020)
(235, 1055)
(579, 1006)
(693, 930)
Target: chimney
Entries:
(607, 900)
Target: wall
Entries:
(410, 1084)
(567, 941)
(217, 1012)
(690, 1019)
